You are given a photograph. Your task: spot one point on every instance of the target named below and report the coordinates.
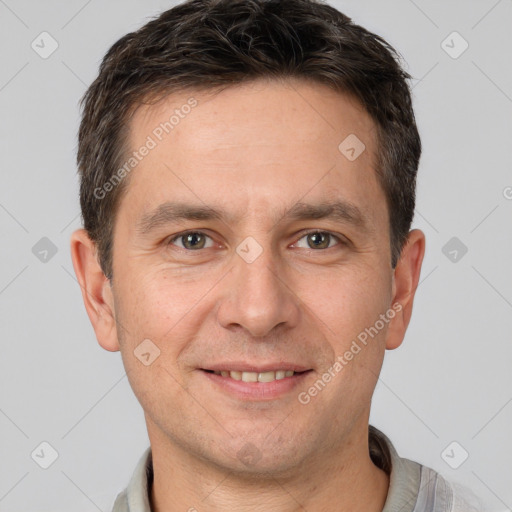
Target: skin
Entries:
(254, 150)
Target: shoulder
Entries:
(415, 487)
(121, 503)
(136, 496)
(437, 494)
(464, 500)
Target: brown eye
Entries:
(320, 240)
(193, 240)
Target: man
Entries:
(247, 190)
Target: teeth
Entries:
(266, 376)
(256, 377)
(250, 376)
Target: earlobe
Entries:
(96, 291)
(405, 283)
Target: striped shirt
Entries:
(412, 487)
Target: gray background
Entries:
(450, 380)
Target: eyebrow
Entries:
(175, 211)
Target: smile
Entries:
(267, 385)
(255, 376)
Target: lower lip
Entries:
(257, 390)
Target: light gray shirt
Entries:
(412, 487)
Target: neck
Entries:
(344, 480)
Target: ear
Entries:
(405, 283)
(96, 290)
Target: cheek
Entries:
(349, 300)
(153, 305)
(148, 313)
(166, 310)
(152, 331)
(350, 306)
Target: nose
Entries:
(259, 297)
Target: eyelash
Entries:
(341, 242)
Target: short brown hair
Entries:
(207, 44)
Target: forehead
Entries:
(255, 145)
(307, 112)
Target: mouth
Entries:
(252, 385)
(267, 376)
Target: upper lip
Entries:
(238, 366)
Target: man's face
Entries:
(261, 284)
